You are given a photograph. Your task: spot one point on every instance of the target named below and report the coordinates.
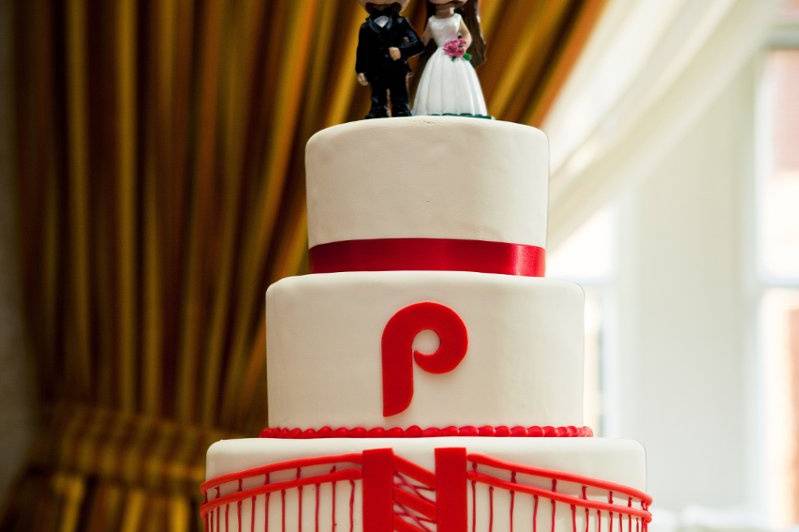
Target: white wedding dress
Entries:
(447, 86)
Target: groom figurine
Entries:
(385, 43)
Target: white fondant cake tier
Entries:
(523, 364)
(426, 176)
(319, 503)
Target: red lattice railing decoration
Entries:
(414, 495)
(378, 491)
(585, 499)
(231, 501)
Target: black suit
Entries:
(383, 73)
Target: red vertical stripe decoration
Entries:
(283, 510)
(299, 501)
(554, 504)
(451, 485)
(378, 499)
(474, 498)
(252, 514)
(238, 508)
(316, 507)
(491, 508)
(218, 513)
(333, 506)
(266, 505)
(512, 500)
(352, 505)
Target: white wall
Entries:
(683, 383)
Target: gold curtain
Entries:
(160, 179)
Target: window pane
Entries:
(790, 10)
(780, 349)
(587, 258)
(593, 411)
(588, 253)
(779, 215)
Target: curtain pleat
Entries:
(161, 186)
(76, 342)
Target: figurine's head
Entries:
(379, 5)
(448, 3)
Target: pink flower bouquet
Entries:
(456, 48)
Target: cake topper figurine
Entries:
(455, 45)
(385, 43)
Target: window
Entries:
(777, 262)
(587, 258)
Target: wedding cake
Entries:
(426, 376)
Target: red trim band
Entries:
(448, 254)
(452, 499)
(415, 431)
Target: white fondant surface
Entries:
(523, 366)
(428, 176)
(619, 461)
(615, 460)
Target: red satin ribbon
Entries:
(428, 254)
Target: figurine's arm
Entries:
(362, 57)
(463, 31)
(411, 44)
(427, 34)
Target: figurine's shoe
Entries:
(377, 112)
(401, 111)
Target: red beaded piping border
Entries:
(415, 431)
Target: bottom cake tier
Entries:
(429, 483)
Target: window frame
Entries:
(759, 284)
(606, 286)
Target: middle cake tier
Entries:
(355, 349)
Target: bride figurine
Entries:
(449, 84)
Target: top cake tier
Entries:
(428, 177)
